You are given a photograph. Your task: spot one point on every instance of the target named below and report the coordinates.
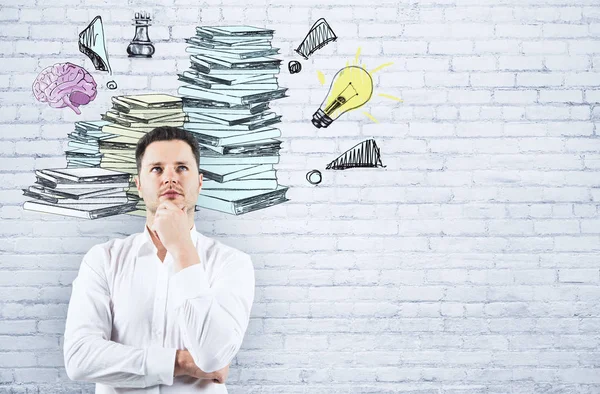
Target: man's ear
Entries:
(200, 179)
(137, 184)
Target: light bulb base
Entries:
(321, 119)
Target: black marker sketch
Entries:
(241, 201)
(141, 46)
(294, 66)
(129, 119)
(65, 85)
(314, 177)
(92, 44)
(226, 104)
(351, 88)
(226, 95)
(83, 146)
(112, 85)
(320, 34)
(364, 154)
(141, 113)
(88, 193)
(100, 148)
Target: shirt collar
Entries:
(146, 239)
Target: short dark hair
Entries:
(165, 133)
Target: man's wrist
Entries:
(184, 251)
(186, 258)
(179, 363)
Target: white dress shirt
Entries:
(129, 313)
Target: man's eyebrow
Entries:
(159, 163)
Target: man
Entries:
(163, 311)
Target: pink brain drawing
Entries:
(65, 85)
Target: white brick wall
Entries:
(468, 265)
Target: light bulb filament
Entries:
(341, 99)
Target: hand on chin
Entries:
(170, 223)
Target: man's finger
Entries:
(169, 204)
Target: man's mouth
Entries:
(170, 194)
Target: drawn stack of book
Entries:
(98, 180)
(84, 144)
(86, 192)
(226, 96)
(129, 119)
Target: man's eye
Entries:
(154, 168)
(183, 167)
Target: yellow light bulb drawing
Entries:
(351, 88)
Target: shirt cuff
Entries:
(160, 366)
(189, 283)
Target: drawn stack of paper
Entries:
(88, 193)
(84, 148)
(226, 98)
(130, 118)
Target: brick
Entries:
(581, 79)
(564, 30)
(578, 275)
(570, 63)
(539, 79)
(446, 79)
(425, 64)
(36, 375)
(409, 47)
(426, 30)
(492, 79)
(14, 31)
(475, 63)
(470, 96)
(564, 96)
(521, 63)
(524, 30)
(498, 46)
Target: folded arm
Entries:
(89, 354)
(213, 318)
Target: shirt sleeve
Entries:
(89, 354)
(213, 318)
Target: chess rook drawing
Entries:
(65, 85)
(320, 34)
(363, 155)
(226, 94)
(141, 46)
(93, 45)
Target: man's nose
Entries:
(170, 175)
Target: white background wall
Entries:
(468, 265)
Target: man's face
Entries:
(169, 172)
